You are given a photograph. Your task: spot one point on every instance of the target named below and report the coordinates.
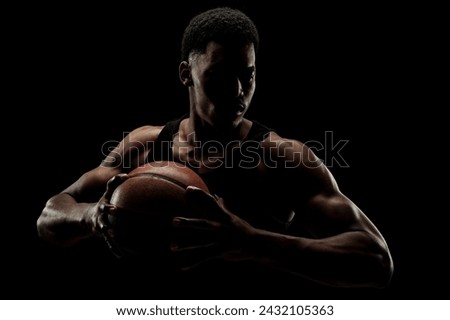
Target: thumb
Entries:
(195, 193)
(204, 203)
(200, 199)
(113, 183)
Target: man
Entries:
(274, 204)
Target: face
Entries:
(223, 83)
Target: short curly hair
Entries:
(224, 25)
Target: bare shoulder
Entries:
(293, 161)
(290, 152)
(134, 147)
(126, 155)
(143, 134)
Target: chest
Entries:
(238, 174)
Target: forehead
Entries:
(238, 54)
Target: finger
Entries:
(106, 209)
(204, 203)
(196, 224)
(188, 250)
(199, 195)
(111, 210)
(113, 183)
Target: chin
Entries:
(225, 123)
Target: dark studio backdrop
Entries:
(93, 74)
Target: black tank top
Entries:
(162, 147)
(219, 279)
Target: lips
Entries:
(231, 109)
(237, 109)
(236, 106)
(241, 107)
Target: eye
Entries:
(248, 75)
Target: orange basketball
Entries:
(146, 203)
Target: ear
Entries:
(184, 71)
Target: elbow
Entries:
(40, 227)
(46, 232)
(43, 227)
(47, 226)
(385, 270)
(380, 264)
(388, 272)
(53, 226)
(43, 223)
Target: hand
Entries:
(219, 234)
(99, 215)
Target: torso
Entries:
(251, 188)
(238, 173)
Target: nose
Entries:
(238, 91)
(236, 88)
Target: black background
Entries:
(85, 75)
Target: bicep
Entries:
(127, 155)
(331, 213)
(325, 210)
(321, 209)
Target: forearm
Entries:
(351, 259)
(64, 221)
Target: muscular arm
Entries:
(67, 218)
(345, 249)
(354, 255)
(75, 213)
(340, 248)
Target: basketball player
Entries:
(274, 204)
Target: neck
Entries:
(198, 131)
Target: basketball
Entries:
(146, 203)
